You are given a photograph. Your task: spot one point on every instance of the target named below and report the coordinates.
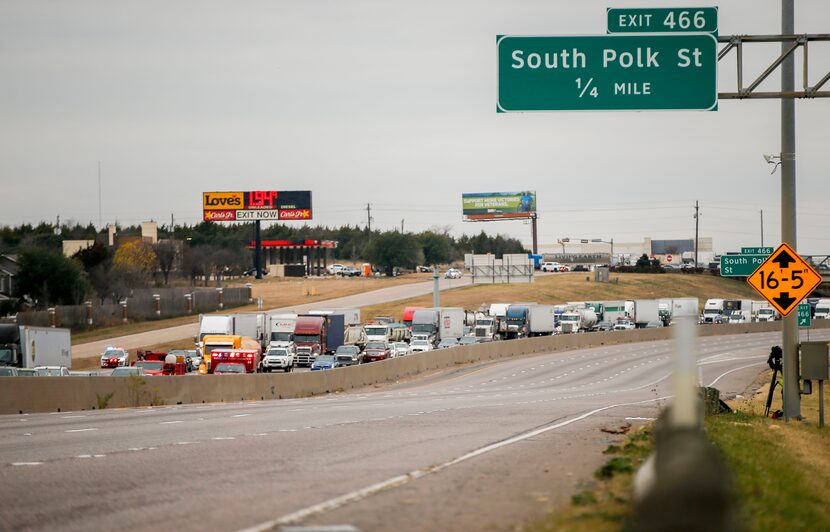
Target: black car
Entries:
(580, 268)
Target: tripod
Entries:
(774, 362)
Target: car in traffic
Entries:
(127, 371)
(468, 340)
(151, 367)
(447, 343)
(419, 346)
(324, 362)
(350, 271)
(737, 317)
(452, 273)
(375, 351)
(551, 267)
(423, 269)
(624, 324)
(603, 326)
(230, 368)
(656, 324)
(401, 349)
(113, 357)
(278, 358)
(26, 372)
(580, 268)
(52, 371)
(348, 355)
(8, 371)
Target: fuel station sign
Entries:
(271, 205)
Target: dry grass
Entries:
(564, 287)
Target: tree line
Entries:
(201, 252)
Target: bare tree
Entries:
(166, 253)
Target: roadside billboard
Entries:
(256, 205)
(486, 206)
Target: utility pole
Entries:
(534, 235)
(58, 225)
(100, 223)
(402, 226)
(172, 223)
(792, 398)
(697, 224)
(762, 227)
(369, 216)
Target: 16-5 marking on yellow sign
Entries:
(784, 279)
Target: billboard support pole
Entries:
(535, 237)
(258, 252)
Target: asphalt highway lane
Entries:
(359, 458)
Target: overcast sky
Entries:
(391, 103)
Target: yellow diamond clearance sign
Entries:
(784, 279)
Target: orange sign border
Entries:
(800, 260)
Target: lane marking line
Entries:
(26, 463)
(81, 430)
(400, 480)
(724, 374)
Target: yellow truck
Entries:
(225, 342)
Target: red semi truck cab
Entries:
(248, 357)
(310, 338)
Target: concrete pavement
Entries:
(463, 449)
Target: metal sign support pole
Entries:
(258, 252)
(789, 341)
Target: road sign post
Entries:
(607, 72)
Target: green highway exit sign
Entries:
(663, 20)
(757, 251)
(630, 72)
(804, 315)
(740, 265)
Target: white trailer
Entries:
(450, 322)
(213, 324)
(541, 320)
(251, 324)
(685, 307)
(645, 310)
(613, 310)
(23, 346)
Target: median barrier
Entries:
(62, 394)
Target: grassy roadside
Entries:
(781, 472)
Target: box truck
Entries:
(22, 346)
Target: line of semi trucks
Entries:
(323, 331)
(265, 341)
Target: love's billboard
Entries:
(256, 205)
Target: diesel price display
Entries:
(256, 205)
(625, 72)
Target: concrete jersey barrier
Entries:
(62, 394)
